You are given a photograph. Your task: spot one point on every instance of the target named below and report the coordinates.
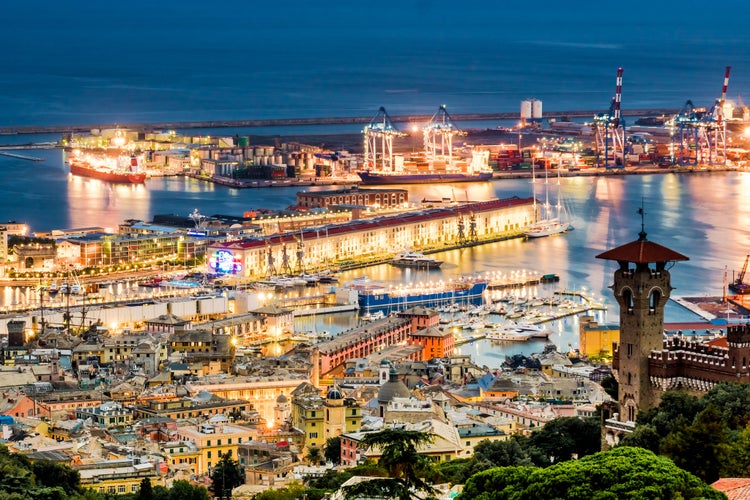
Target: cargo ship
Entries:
(122, 169)
(372, 296)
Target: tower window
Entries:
(627, 296)
(630, 350)
(653, 301)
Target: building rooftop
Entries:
(642, 251)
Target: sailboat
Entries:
(552, 216)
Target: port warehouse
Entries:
(372, 240)
(340, 237)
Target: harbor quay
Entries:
(374, 240)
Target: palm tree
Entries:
(314, 456)
(399, 456)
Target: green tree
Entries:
(314, 456)
(400, 458)
(183, 490)
(15, 473)
(738, 461)
(564, 438)
(458, 471)
(51, 474)
(227, 475)
(644, 436)
(623, 473)
(610, 386)
(677, 409)
(292, 492)
(501, 453)
(146, 491)
(332, 450)
(700, 448)
(733, 401)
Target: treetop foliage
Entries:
(618, 474)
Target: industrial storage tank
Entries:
(536, 109)
(531, 109)
(526, 109)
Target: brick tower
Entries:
(641, 288)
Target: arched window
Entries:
(627, 296)
(653, 301)
(630, 378)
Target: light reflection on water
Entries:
(702, 215)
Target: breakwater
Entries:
(282, 122)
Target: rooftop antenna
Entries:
(642, 212)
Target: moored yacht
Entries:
(410, 258)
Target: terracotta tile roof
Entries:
(735, 488)
(642, 251)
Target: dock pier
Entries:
(20, 157)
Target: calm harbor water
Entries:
(702, 215)
(294, 59)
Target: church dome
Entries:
(394, 388)
(282, 399)
(334, 394)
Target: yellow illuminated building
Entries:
(213, 441)
(320, 419)
(116, 477)
(596, 340)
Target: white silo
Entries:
(526, 109)
(536, 110)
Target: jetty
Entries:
(285, 122)
(20, 157)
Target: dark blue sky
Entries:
(89, 61)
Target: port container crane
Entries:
(378, 147)
(438, 137)
(738, 285)
(699, 136)
(609, 129)
(684, 131)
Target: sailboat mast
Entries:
(559, 200)
(533, 187)
(546, 193)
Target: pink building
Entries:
(363, 341)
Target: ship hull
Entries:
(383, 300)
(425, 264)
(549, 229)
(86, 170)
(374, 178)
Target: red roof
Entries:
(735, 488)
(642, 251)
